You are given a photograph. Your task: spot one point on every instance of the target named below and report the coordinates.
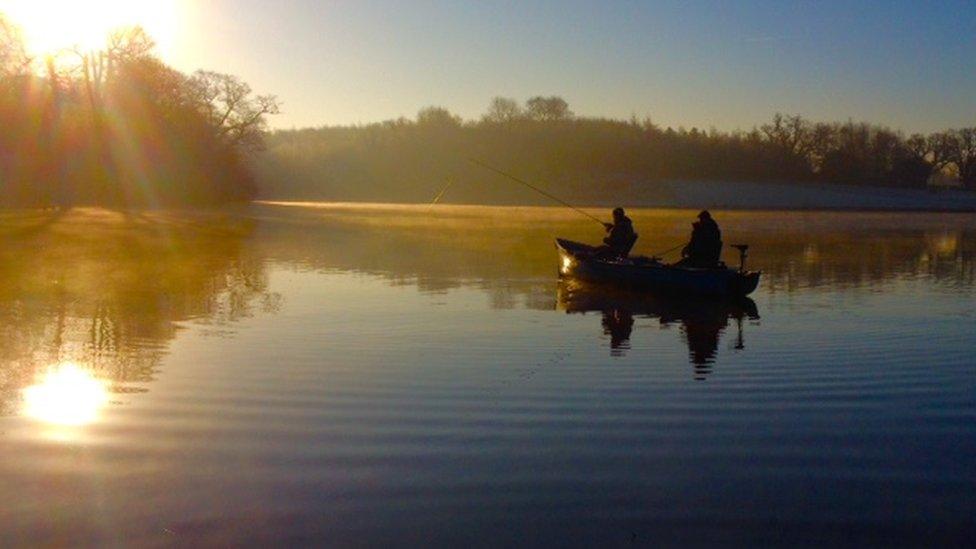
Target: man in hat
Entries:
(621, 237)
(705, 247)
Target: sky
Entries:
(727, 65)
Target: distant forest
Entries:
(119, 128)
(410, 160)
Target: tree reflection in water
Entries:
(103, 291)
(702, 321)
(106, 290)
(508, 251)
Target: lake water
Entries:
(389, 375)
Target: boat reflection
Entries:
(702, 321)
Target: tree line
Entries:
(117, 127)
(407, 159)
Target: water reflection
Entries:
(369, 396)
(618, 324)
(107, 291)
(66, 395)
(702, 321)
(508, 252)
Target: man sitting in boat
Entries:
(705, 247)
(621, 237)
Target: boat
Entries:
(584, 262)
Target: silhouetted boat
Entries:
(582, 261)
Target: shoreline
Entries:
(408, 206)
(719, 195)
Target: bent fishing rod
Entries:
(555, 198)
(536, 189)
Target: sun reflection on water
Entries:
(66, 395)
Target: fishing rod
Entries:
(557, 199)
(669, 250)
(536, 189)
(439, 195)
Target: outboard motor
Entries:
(743, 248)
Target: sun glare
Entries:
(66, 395)
(52, 25)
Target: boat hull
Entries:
(580, 261)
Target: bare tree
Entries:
(962, 154)
(548, 108)
(437, 116)
(503, 109)
(14, 60)
(129, 44)
(228, 105)
(791, 134)
(933, 149)
(124, 47)
(822, 141)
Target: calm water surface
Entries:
(380, 375)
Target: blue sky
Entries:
(910, 65)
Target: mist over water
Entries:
(381, 374)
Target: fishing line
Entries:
(536, 189)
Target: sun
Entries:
(49, 26)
